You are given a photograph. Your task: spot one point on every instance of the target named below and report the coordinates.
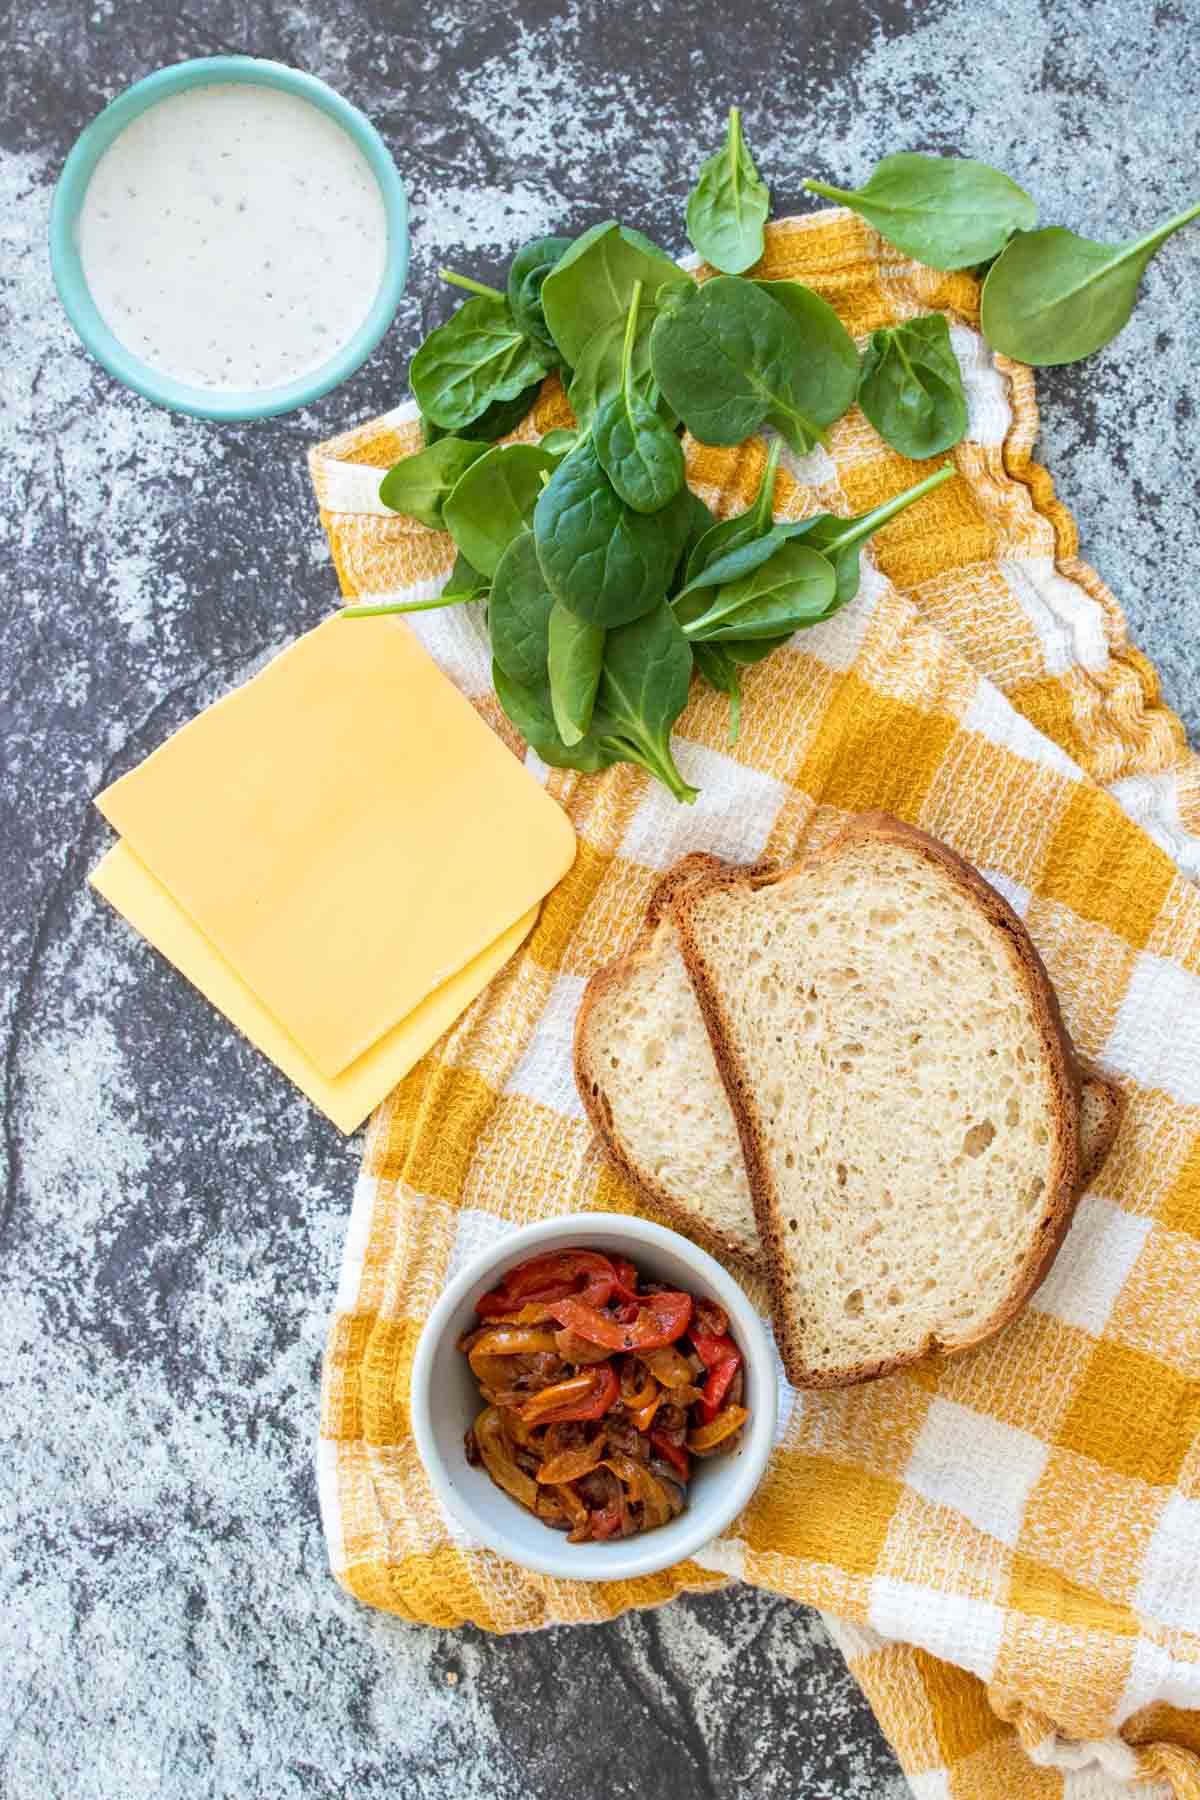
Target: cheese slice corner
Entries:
(347, 1098)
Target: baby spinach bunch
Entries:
(1049, 295)
(607, 582)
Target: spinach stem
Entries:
(764, 502)
(826, 192)
(859, 529)
(635, 300)
(472, 286)
(1161, 232)
(401, 606)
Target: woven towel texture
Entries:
(1008, 1542)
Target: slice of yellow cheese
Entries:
(347, 1099)
(346, 832)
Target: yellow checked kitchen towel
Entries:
(1007, 1543)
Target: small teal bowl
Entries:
(73, 291)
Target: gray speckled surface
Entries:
(172, 1212)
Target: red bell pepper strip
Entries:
(675, 1454)
(716, 1386)
(710, 1318)
(660, 1320)
(712, 1350)
(551, 1277)
(625, 1285)
(605, 1392)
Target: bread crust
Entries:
(1063, 1185)
(1108, 1104)
(713, 871)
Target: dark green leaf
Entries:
(559, 442)
(638, 452)
(574, 658)
(591, 285)
(597, 375)
(420, 485)
(700, 522)
(643, 690)
(946, 211)
(743, 528)
(530, 711)
(794, 587)
(833, 358)
(586, 299)
(721, 672)
(519, 614)
(841, 540)
(527, 271)
(751, 650)
(729, 205)
(495, 500)
(501, 418)
(1054, 297)
(478, 357)
(728, 358)
(465, 583)
(911, 388)
(606, 562)
(732, 564)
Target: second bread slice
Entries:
(905, 1092)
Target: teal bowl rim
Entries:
(81, 309)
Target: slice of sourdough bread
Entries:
(648, 1080)
(905, 1093)
(651, 1088)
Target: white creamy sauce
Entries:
(233, 237)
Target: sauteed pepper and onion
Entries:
(600, 1388)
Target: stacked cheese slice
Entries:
(340, 855)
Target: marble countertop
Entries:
(172, 1212)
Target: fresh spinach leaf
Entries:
(911, 387)
(833, 358)
(590, 287)
(841, 540)
(729, 205)
(1053, 297)
(641, 455)
(597, 375)
(732, 564)
(494, 500)
(502, 417)
(643, 689)
(559, 442)
(479, 357)
(728, 358)
(946, 211)
(575, 653)
(586, 300)
(529, 709)
(606, 562)
(721, 672)
(466, 582)
(700, 523)
(751, 650)
(420, 485)
(795, 587)
(527, 271)
(726, 535)
(519, 614)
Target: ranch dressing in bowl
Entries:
(233, 237)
